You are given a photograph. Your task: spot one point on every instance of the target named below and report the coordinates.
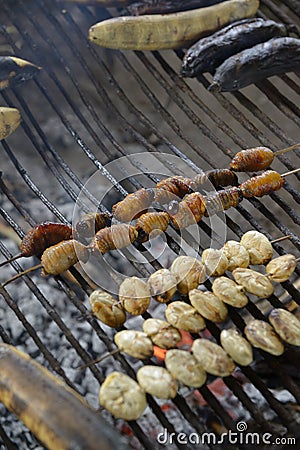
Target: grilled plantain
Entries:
(56, 415)
(163, 31)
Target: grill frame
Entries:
(161, 70)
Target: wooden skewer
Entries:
(31, 269)
(291, 172)
(283, 238)
(13, 258)
(285, 150)
(98, 360)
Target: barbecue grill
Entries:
(104, 105)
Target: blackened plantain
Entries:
(166, 6)
(209, 52)
(274, 57)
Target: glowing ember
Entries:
(160, 353)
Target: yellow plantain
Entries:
(58, 416)
(10, 119)
(156, 32)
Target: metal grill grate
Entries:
(90, 93)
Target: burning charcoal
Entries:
(189, 272)
(215, 261)
(280, 269)
(107, 309)
(259, 247)
(208, 305)
(185, 317)
(135, 295)
(236, 254)
(122, 396)
(262, 335)
(134, 343)
(157, 381)
(212, 358)
(161, 333)
(184, 367)
(229, 292)
(253, 282)
(163, 285)
(286, 325)
(236, 346)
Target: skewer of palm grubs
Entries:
(47, 234)
(249, 160)
(61, 256)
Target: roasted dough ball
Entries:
(259, 247)
(212, 358)
(107, 309)
(236, 254)
(253, 282)
(134, 294)
(122, 396)
(263, 336)
(157, 381)
(189, 272)
(184, 367)
(215, 261)
(236, 346)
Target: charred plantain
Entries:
(209, 52)
(274, 57)
(167, 6)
